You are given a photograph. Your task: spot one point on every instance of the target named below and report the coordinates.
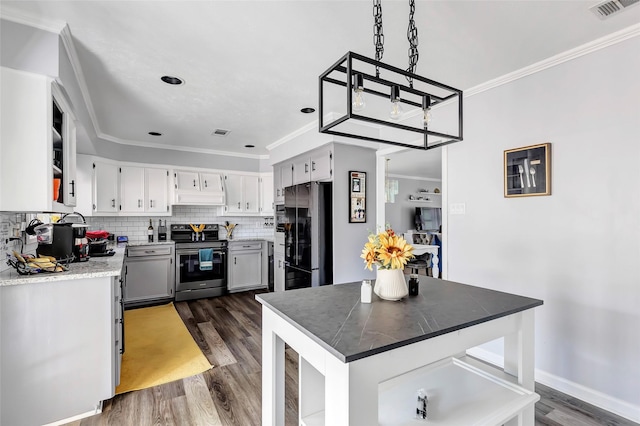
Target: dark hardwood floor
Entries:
(227, 329)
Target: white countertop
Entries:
(95, 267)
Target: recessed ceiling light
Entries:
(249, 146)
(172, 80)
(155, 134)
(308, 110)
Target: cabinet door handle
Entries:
(306, 167)
(279, 263)
(247, 206)
(234, 260)
(194, 183)
(73, 188)
(238, 204)
(313, 166)
(205, 184)
(113, 202)
(150, 203)
(139, 203)
(149, 251)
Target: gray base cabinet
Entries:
(59, 348)
(245, 265)
(149, 274)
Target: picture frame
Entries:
(527, 171)
(357, 197)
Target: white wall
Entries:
(349, 238)
(29, 49)
(579, 248)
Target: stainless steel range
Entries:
(201, 261)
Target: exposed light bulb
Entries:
(426, 110)
(358, 103)
(396, 107)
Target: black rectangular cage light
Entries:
(385, 85)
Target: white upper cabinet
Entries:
(129, 190)
(187, 181)
(266, 194)
(243, 194)
(132, 190)
(211, 183)
(321, 165)
(315, 166)
(156, 185)
(105, 188)
(37, 144)
(144, 190)
(198, 188)
(282, 178)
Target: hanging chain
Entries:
(378, 35)
(412, 36)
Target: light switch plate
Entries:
(457, 208)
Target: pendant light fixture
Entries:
(419, 113)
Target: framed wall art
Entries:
(527, 171)
(357, 197)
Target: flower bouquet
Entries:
(390, 253)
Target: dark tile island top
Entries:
(334, 317)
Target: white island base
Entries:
(381, 389)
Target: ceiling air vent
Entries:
(220, 132)
(606, 9)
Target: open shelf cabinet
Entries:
(461, 392)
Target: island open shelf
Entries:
(362, 364)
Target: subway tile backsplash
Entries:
(136, 227)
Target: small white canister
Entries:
(365, 291)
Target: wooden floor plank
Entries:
(220, 354)
(201, 407)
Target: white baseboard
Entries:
(97, 410)
(591, 396)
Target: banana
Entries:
(43, 259)
(18, 256)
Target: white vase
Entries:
(390, 284)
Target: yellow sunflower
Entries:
(387, 250)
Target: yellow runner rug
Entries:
(158, 349)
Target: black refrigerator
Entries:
(308, 235)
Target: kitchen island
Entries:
(362, 364)
(60, 341)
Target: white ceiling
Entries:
(250, 66)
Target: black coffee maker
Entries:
(80, 241)
(56, 240)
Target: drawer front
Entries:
(249, 245)
(155, 250)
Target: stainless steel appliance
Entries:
(193, 280)
(308, 235)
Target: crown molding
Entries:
(302, 130)
(49, 25)
(72, 54)
(585, 49)
(180, 148)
